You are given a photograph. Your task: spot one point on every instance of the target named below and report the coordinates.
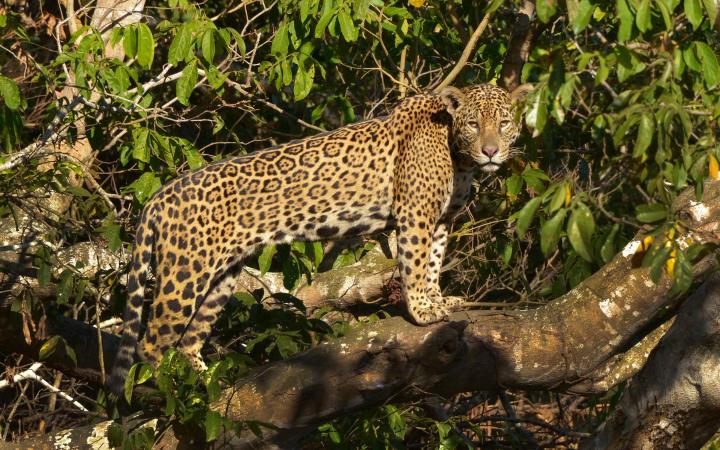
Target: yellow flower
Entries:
(670, 264)
(417, 3)
(713, 167)
(568, 194)
(646, 242)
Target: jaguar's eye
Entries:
(505, 124)
(474, 125)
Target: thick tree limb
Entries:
(563, 344)
(674, 401)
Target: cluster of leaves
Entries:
(186, 395)
(273, 327)
(633, 90)
(387, 427)
(623, 117)
(13, 102)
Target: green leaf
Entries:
(140, 151)
(602, 72)
(316, 252)
(303, 82)
(580, 228)
(654, 212)
(265, 258)
(347, 27)
(493, 6)
(513, 185)
(325, 17)
(710, 66)
(525, 216)
(115, 435)
(180, 46)
(186, 83)
(49, 347)
(711, 8)
(506, 252)
(643, 17)
(130, 41)
(558, 198)
(145, 186)
(193, 157)
(683, 273)
(145, 373)
(208, 46)
(145, 46)
(10, 93)
(281, 41)
(626, 21)
(655, 259)
(535, 179)
(215, 78)
(238, 39)
(666, 14)
(130, 383)
(545, 9)
(41, 261)
(213, 424)
(550, 232)
(111, 232)
(608, 249)
(645, 133)
(536, 116)
(304, 9)
(395, 421)
(572, 10)
(691, 59)
(65, 287)
(345, 258)
(584, 13)
(693, 11)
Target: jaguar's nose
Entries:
(489, 150)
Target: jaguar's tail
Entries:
(141, 260)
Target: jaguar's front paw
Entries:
(452, 303)
(429, 314)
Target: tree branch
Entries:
(556, 346)
(469, 47)
(523, 38)
(674, 401)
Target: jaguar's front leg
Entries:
(435, 262)
(414, 246)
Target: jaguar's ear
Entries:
(521, 91)
(453, 98)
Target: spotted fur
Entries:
(411, 170)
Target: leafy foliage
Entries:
(622, 118)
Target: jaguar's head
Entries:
(483, 123)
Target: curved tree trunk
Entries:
(566, 345)
(674, 401)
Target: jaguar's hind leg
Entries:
(206, 314)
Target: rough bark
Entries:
(674, 401)
(564, 344)
(522, 40)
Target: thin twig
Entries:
(238, 87)
(401, 76)
(30, 374)
(465, 54)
